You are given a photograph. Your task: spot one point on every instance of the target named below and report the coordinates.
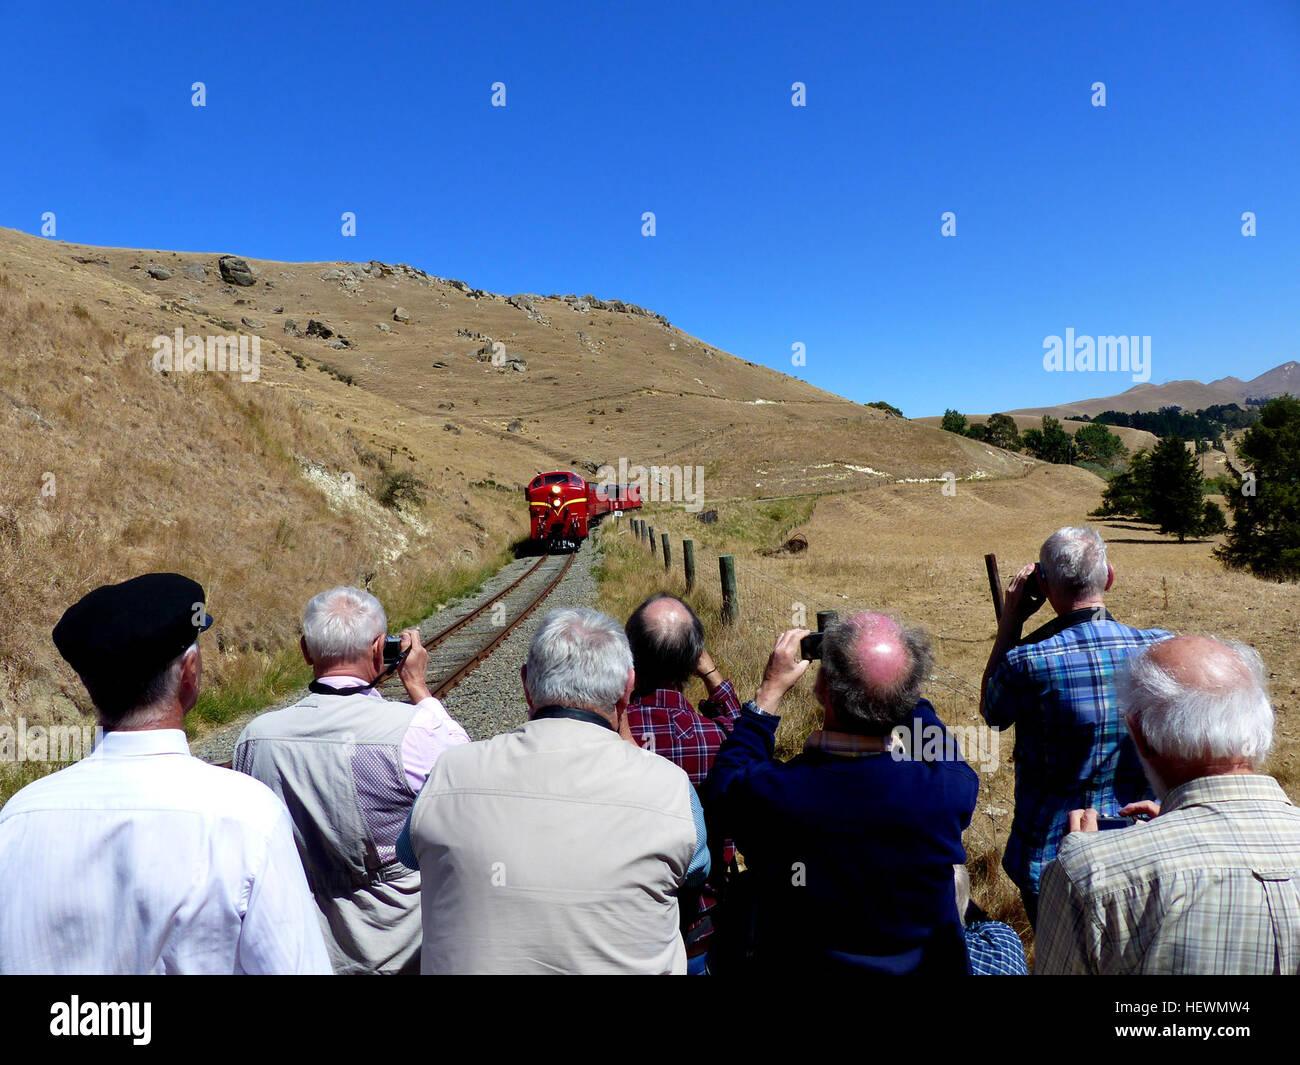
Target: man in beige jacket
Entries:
(560, 847)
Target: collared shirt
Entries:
(994, 949)
(349, 768)
(143, 859)
(431, 732)
(664, 721)
(1212, 885)
(1073, 750)
(848, 744)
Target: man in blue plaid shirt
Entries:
(1057, 687)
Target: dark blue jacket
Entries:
(852, 857)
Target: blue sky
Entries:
(775, 224)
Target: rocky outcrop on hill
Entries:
(236, 271)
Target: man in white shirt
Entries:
(141, 858)
(349, 764)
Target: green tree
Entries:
(1051, 443)
(1096, 443)
(1128, 492)
(1265, 534)
(954, 421)
(978, 432)
(888, 408)
(1175, 488)
(1002, 432)
(1212, 520)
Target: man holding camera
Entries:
(1057, 687)
(349, 765)
(850, 846)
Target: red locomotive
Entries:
(563, 507)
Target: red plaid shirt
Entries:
(664, 721)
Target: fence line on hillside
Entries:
(960, 689)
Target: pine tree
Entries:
(1265, 534)
(1175, 492)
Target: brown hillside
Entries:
(266, 490)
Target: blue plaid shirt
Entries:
(1073, 750)
(994, 949)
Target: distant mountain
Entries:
(1190, 395)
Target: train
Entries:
(562, 507)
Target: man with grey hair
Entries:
(1212, 884)
(1056, 686)
(348, 764)
(850, 845)
(560, 847)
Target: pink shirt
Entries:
(432, 731)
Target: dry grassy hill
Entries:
(267, 490)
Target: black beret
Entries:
(131, 630)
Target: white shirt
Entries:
(143, 859)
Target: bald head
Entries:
(1197, 700)
(872, 670)
(667, 640)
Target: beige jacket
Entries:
(558, 847)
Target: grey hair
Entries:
(578, 657)
(1189, 723)
(1075, 557)
(961, 884)
(341, 624)
(850, 695)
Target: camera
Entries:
(1035, 590)
(1106, 823)
(810, 646)
(392, 650)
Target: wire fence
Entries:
(961, 693)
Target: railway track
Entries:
(457, 650)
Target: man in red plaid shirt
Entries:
(667, 642)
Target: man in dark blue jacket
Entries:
(850, 845)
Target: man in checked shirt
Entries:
(1057, 686)
(667, 641)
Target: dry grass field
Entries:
(910, 550)
(266, 490)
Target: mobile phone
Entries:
(1105, 823)
(810, 646)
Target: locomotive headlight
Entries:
(555, 503)
(555, 489)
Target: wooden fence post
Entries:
(995, 584)
(668, 552)
(652, 539)
(688, 559)
(826, 618)
(730, 601)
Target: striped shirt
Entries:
(1211, 886)
(1073, 750)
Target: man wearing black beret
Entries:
(141, 858)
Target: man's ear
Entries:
(187, 693)
(628, 688)
(523, 679)
(306, 655)
(1110, 577)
